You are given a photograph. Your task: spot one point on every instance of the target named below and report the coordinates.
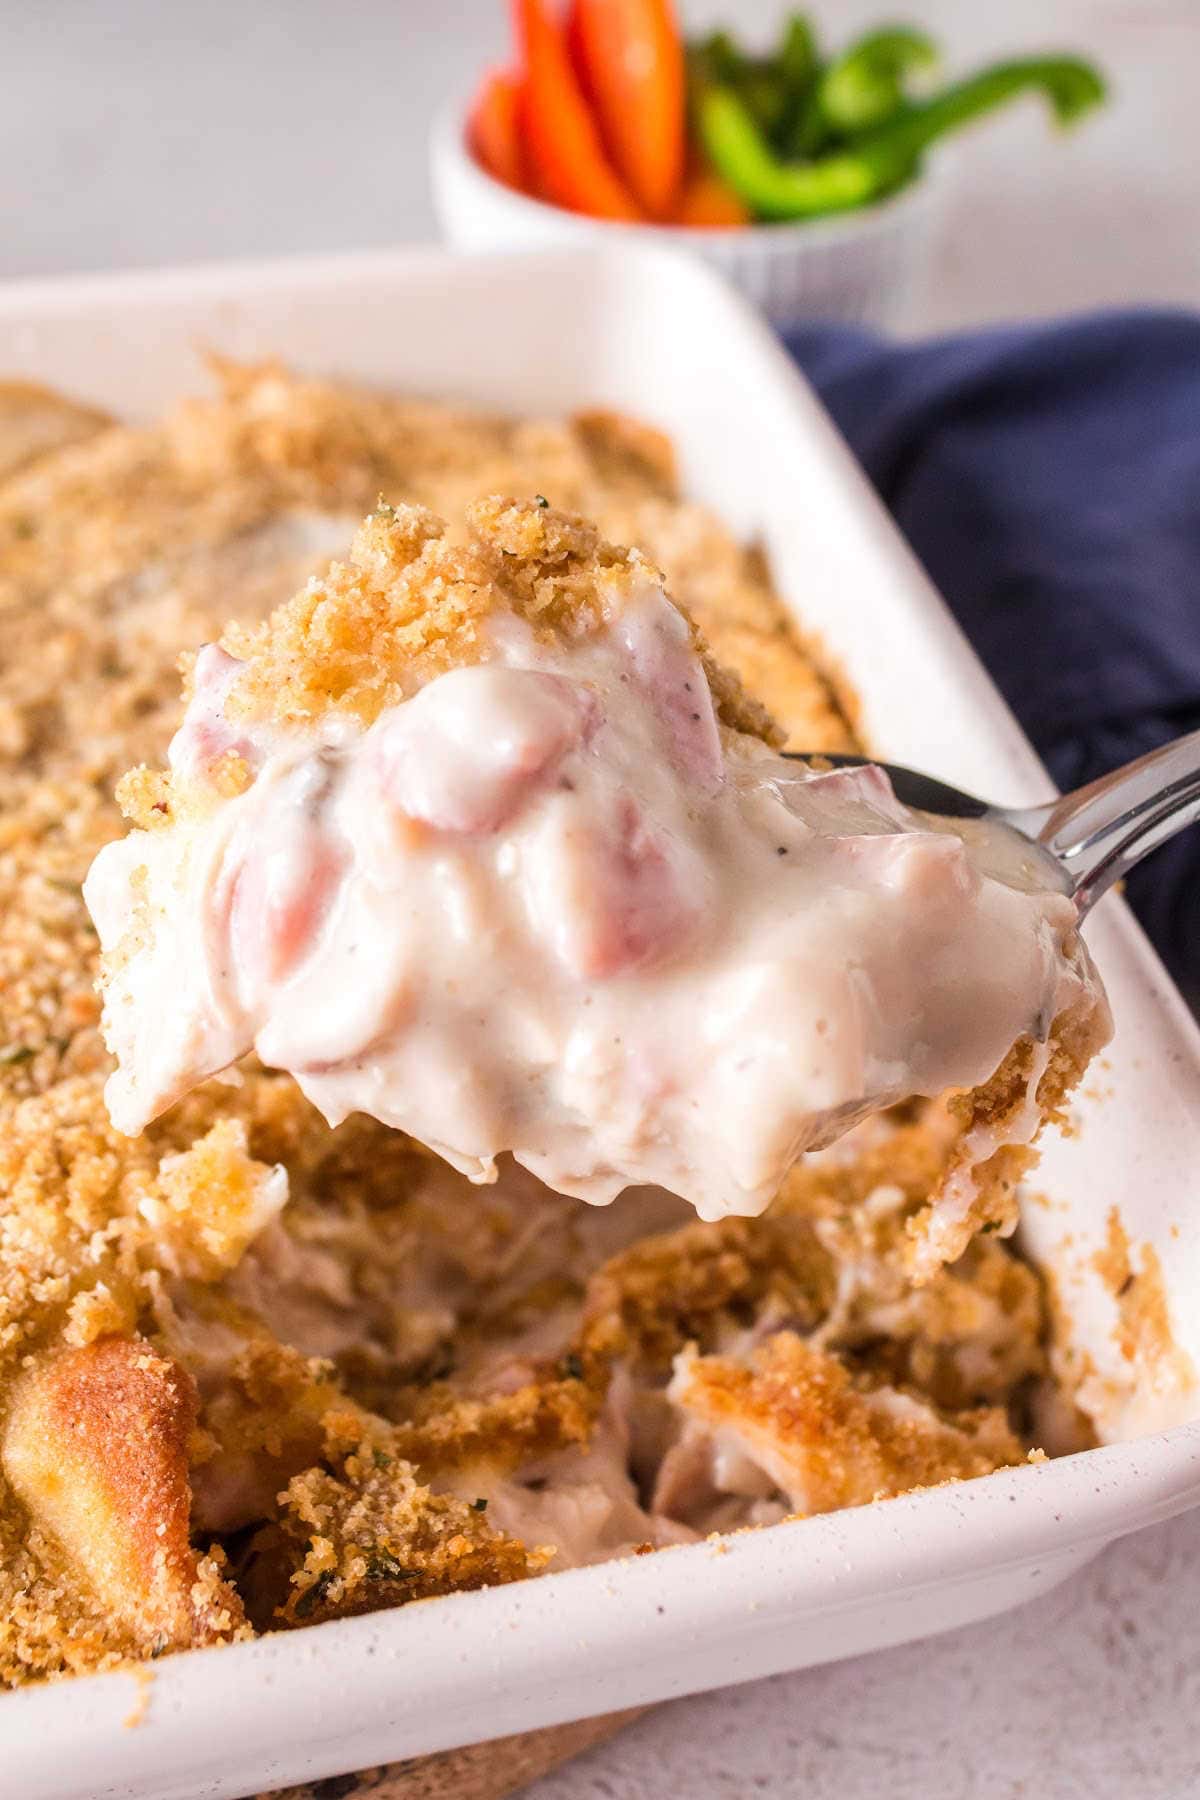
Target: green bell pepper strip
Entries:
(764, 93)
(802, 131)
(772, 87)
(869, 167)
(773, 189)
(1069, 86)
(864, 87)
(796, 58)
(757, 82)
(720, 56)
(807, 134)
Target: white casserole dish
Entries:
(661, 338)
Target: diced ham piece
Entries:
(207, 734)
(668, 672)
(610, 895)
(279, 882)
(467, 751)
(279, 902)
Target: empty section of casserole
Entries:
(293, 1373)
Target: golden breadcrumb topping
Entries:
(254, 1372)
(357, 1531)
(34, 421)
(412, 602)
(1143, 1331)
(830, 1257)
(1075, 1037)
(829, 1435)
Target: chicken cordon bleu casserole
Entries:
(468, 884)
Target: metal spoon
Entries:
(1095, 835)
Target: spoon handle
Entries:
(1100, 831)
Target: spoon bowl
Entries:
(1093, 836)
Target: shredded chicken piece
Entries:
(824, 1440)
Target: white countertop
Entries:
(136, 132)
(1090, 1693)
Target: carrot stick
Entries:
(493, 131)
(578, 54)
(709, 202)
(563, 145)
(633, 55)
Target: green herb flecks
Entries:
(383, 1566)
(313, 1596)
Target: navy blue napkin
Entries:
(1048, 476)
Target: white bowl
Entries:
(861, 267)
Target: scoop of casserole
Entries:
(475, 837)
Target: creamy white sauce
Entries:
(542, 908)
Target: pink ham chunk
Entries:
(668, 673)
(860, 798)
(206, 734)
(467, 752)
(279, 882)
(279, 903)
(611, 895)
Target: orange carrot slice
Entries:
(493, 129)
(577, 52)
(567, 159)
(709, 202)
(633, 55)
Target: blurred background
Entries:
(138, 132)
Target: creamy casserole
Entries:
(533, 882)
(256, 1372)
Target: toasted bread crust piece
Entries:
(96, 1445)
